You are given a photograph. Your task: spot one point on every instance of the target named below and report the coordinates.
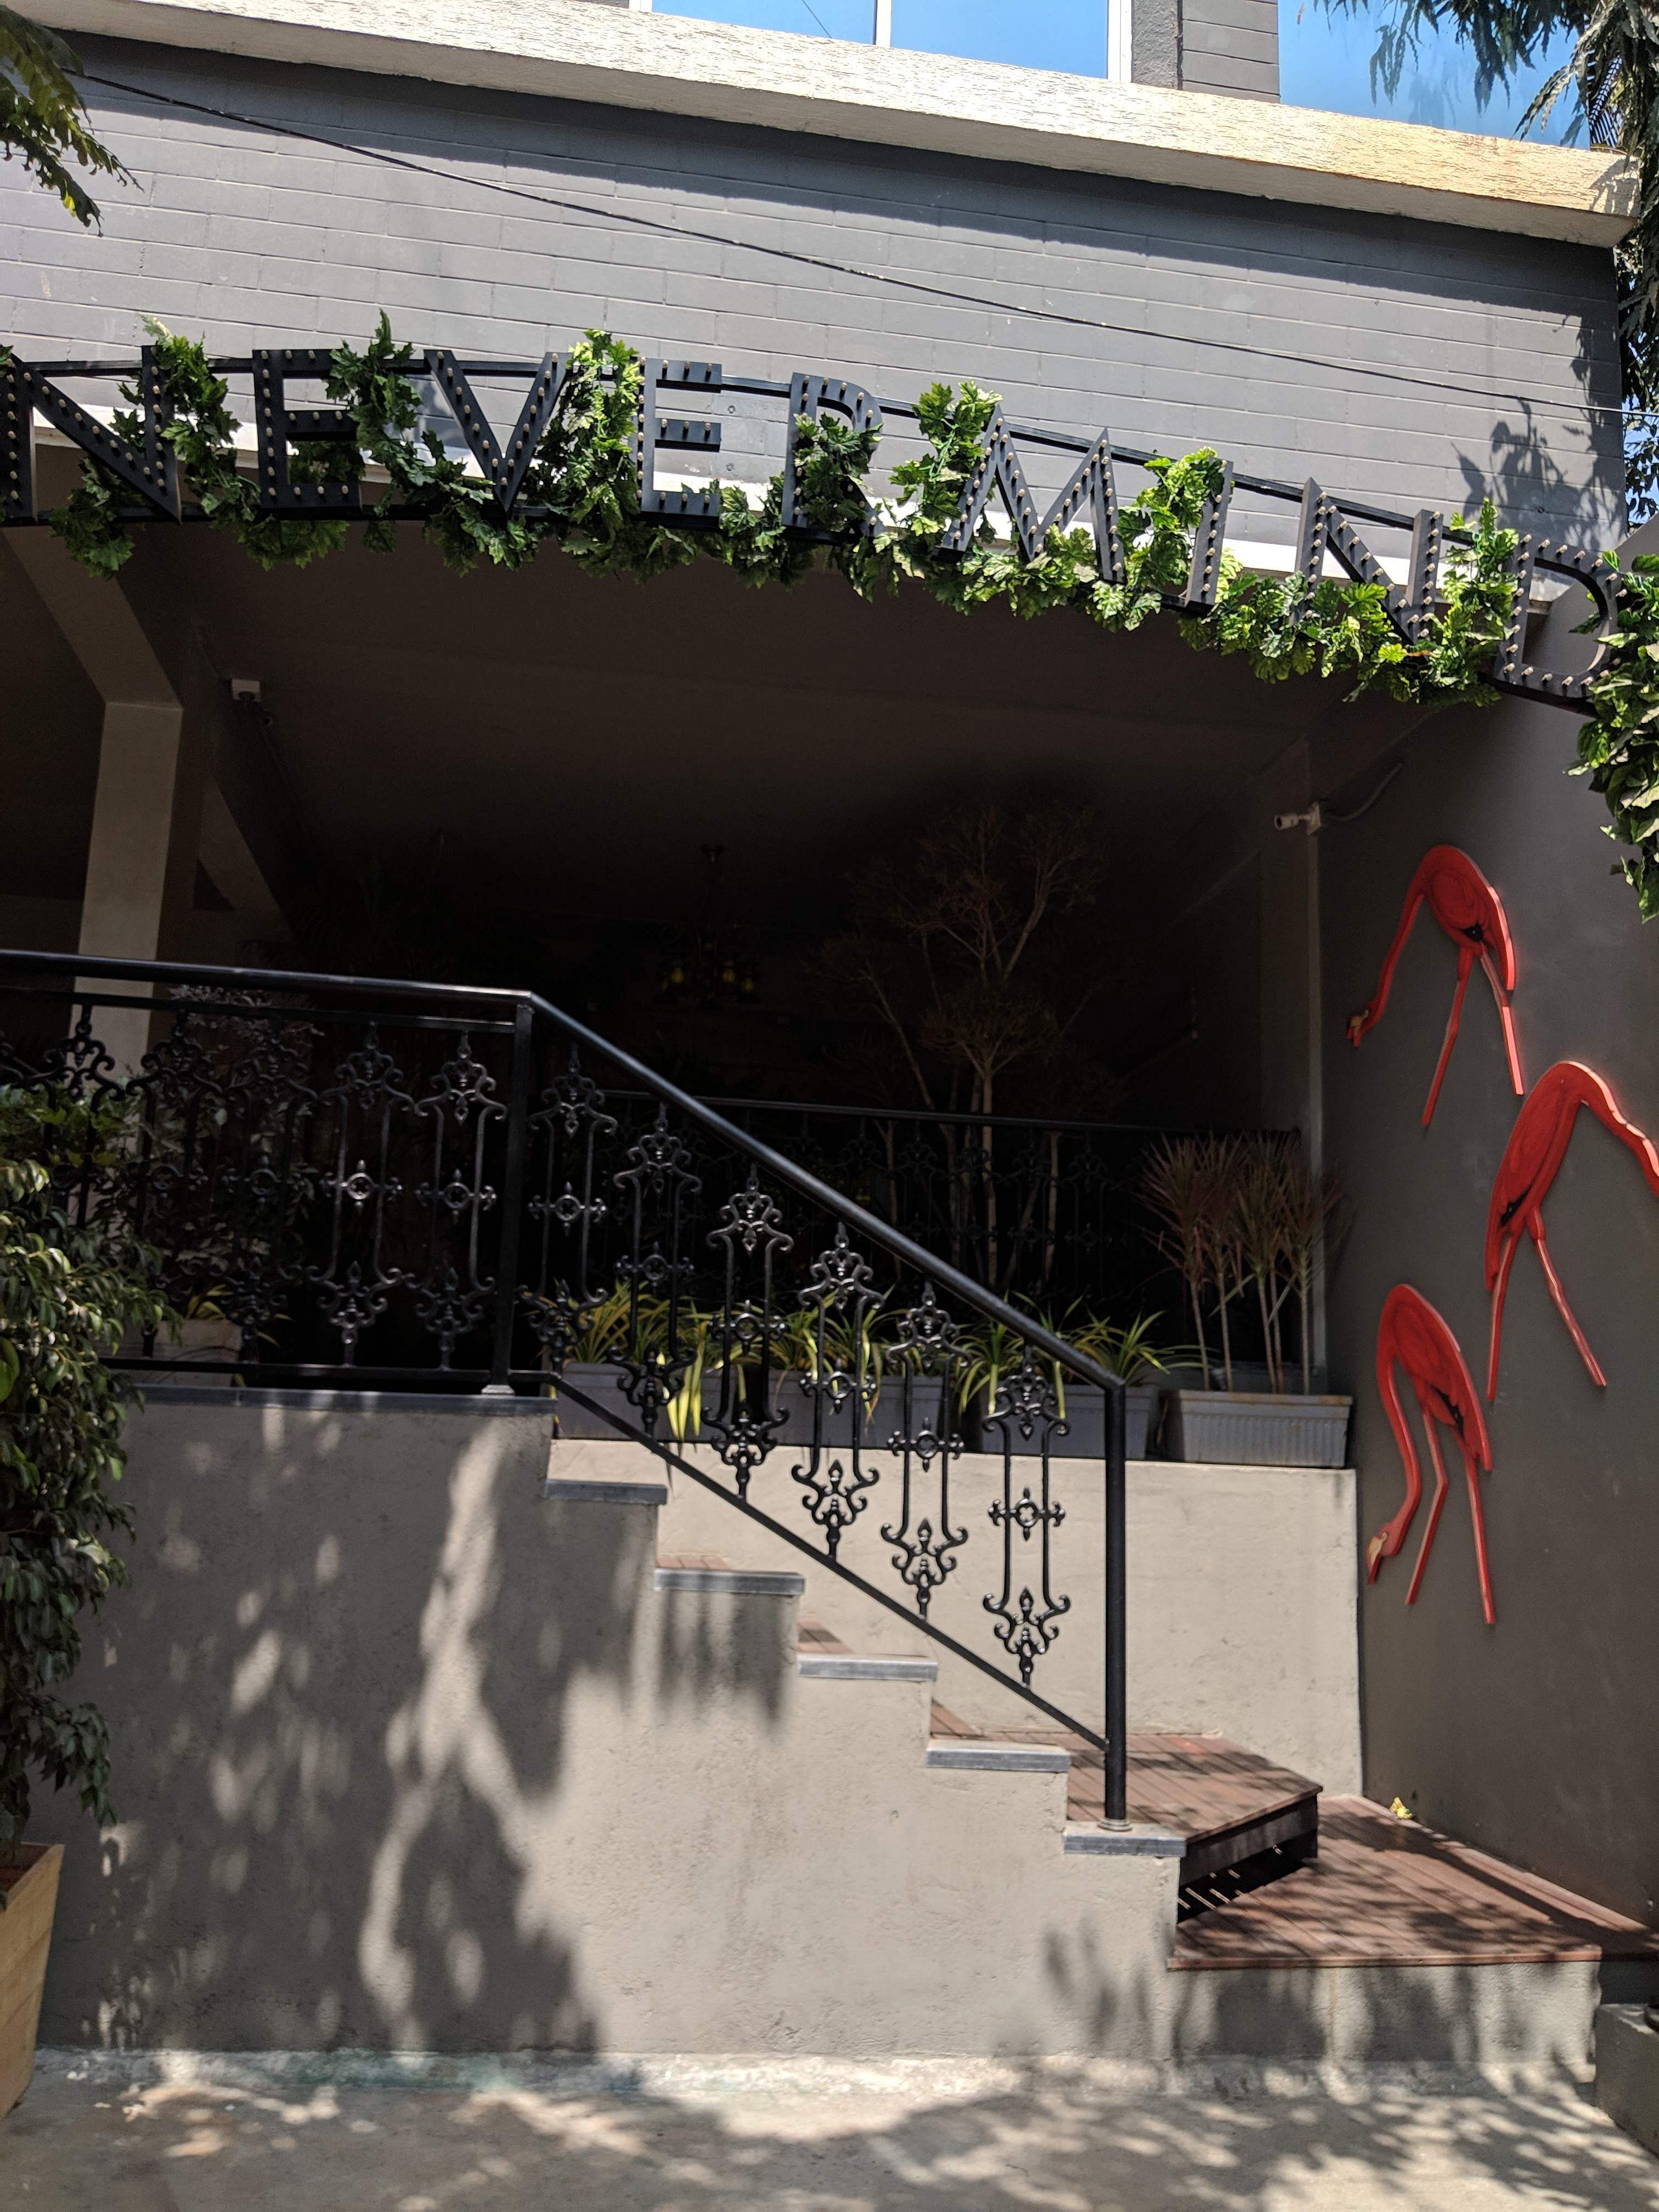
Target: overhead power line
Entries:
(603, 216)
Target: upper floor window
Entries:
(1046, 34)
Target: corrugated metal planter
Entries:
(875, 1432)
(602, 1382)
(1257, 1428)
(1085, 1424)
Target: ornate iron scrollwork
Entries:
(365, 1103)
(927, 1350)
(1026, 1407)
(751, 1237)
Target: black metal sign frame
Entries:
(1327, 524)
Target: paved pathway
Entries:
(846, 2140)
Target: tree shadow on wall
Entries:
(1529, 485)
(344, 1690)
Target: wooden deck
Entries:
(1385, 1892)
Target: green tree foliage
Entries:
(1613, 80)
(42, 120)
(67, 1296)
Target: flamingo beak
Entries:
(1356, 1028)
(1376, 1552)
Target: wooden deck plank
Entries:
(1385, 1892)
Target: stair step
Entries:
(1231, 1808)
(986, 1756)
(732, 1582)
(847, 1667)
(591, 1489)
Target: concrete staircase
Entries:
(1399, 1947)
(424, 1742)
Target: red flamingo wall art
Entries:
(1532, 1160)
(1412, 1335)
(1472, 915)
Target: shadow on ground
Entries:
(1064, 2141)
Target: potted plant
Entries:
(997, 1350)
(198, 1329)
(616, 1332)
(830, 1372)
(67, 1294)
(1133, 1355)
(1243, 1218)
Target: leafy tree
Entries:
(42, 118)
(954, 950)
(67, 1294)
(1613, 80)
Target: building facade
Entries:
(371, 764)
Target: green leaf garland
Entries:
(581, 492)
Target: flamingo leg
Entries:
(1506, 1017)
(1437, 1506)
(1471, 1476)
(1389, 1539)
(1536, 1224)
(1499, 1293)
(1360, 1022)
(1465, 965)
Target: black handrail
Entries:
(913, 1255)
(520, 1008)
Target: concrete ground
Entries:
(887, 2139)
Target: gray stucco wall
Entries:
(1535, 1739)
(409, 1754)
(248, 236)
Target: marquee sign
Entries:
(1327, 526)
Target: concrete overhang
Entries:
(580, 50)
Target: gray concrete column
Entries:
(146, 814)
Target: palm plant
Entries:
(1308, 1203)
(1178, 1188)
(42, 118)
(993, 1351)
(824, 1343)
(1261, 1220)
(1612, 77)
(1130, 1352)
(1191, 1185)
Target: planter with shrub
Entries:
(1243, 1220)
(70, 1291)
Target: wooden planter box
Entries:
(31, 1888)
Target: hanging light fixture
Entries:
(707, 967)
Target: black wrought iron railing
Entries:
(414, 1186)
(1047, 1212)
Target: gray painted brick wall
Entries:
(1231, 46)
(1373, 353)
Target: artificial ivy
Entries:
(581, 492)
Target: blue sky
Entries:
(1324, 61)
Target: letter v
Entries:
(506, 471)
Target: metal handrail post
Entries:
(518, 1146)
(1116, 1566)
